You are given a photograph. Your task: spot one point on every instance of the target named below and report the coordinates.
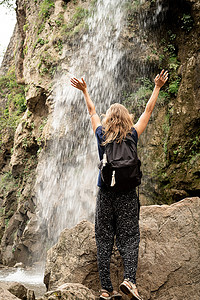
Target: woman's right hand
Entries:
(80, 85)
(161, 78)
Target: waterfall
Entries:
(67, 172)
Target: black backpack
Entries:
(120, 166)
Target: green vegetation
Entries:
(40, 29)
(44, 122)
(174, 86)
(59, 20)
(58, 45)
(178, 150)
(7, 182)
(45, 9)
(132, 6)
(8, 3)
(25, 51)
(172, 63)
(15, 102)
(25, 27)
(7, 222)
(194, 146)
(47, 64)
(187, 152)
(76, 23)
(58, 23)
(187, 22)
(166, 128)
(136, 101)
(41, 42)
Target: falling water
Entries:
(67, 172)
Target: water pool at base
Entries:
(31, 279)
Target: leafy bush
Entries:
(174, 86)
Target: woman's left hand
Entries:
(161, 78)
(81, 85)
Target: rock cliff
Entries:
(155, 35)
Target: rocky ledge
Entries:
(169, 257)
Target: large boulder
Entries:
(169, 256)
(18, 290)
(69, 291)
(73, 259)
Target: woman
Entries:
(117, 212)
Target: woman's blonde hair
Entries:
(117, 123)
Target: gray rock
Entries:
(19, 265)
(30, 295)
(5, 294)
(18, 289)
(69, 291)
(169, 254)
(73, 259)
(73, 254)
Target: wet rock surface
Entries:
(168, 256)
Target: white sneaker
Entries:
(130, 289)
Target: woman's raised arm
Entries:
(82, 86)
(144, 118)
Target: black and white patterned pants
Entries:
(117, 214)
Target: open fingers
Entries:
(83, 80)
(161, 73)
(74, 85)
(161, 78)
(74, 80)
(165, 76)
(79, 84)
